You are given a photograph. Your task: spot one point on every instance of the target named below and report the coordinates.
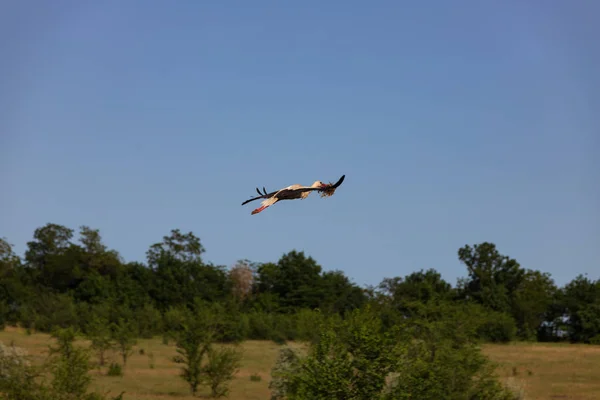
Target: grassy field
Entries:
(542, 371)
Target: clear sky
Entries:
(455, 122)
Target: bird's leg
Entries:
(259, 209)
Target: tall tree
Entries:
(531, 301)
(97, 257)
(339, 293)
(179, 274)
(181, 246)
(493, 277)
(8, 259)
(581, 307)
(49, 240)
(91, 240)
(422, 286)
(295, 280)
(54, 261)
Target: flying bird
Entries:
(293, 192)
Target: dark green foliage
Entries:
(442, 358)
(432, 357)
(47, 311)
(255, 378)
(579, 302)
(496, 327)
(500, 284)
(70, 368)
(114, 369)
(123, 333)
(194, 335)
(355, 355)
(67, 281)
(99, 332)
(149, 321)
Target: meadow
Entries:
(540, 371)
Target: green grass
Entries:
(543, 371)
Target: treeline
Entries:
(62, 281)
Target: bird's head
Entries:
(319, 184)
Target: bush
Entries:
(255, 378)
(497, 327)
(283, 374)
(123, 334)
(260, 325)
(69, 366)
(149, 321)
(17, 376)
(194, 335)
(431, 355)
(307, 324)
(98, 331)
(220, 369)
(115, 369)
(48, 311)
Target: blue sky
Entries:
(454, 122)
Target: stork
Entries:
(293, 192)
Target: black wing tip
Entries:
(339, 182)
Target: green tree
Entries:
(432, 355)
(8, 259)
(52, 259)
(295, 281)
(194, 335)
(339, 294)
(351, 360)
(97, 257)
(70, 368)
(417, 288)
(11, 286)
(124, 335)
(531, 301)
(184, 247)
(493, 277)
(222, 364)
(580, 300)
(99, 333)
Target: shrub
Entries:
(431, 355)
(283, 373)
(17, 376)
(98, 331)
(255, 378)
(497, 327)
(220, 369)
(115, 369)
(123, 334)
(194, 335)
(149, 321)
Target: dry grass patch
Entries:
(549, 371)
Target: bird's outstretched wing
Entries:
(261, 196)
